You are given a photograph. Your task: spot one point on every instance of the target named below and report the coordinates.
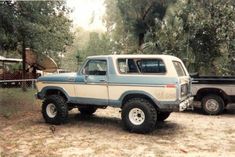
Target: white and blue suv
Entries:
(147, 88)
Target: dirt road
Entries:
(183, 134)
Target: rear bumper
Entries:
(171, 106)
(187, 103)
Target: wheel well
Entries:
(131, 96)
(211, 91)
(55, 92)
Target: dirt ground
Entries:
(182, 134)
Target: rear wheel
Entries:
(87, 110)
(139, 115)
(163, 116)
(212, 105)
(55, 110)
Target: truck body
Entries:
(145, 87)
(213, 92)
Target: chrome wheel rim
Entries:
(212, 105)
(51, 110)
(136, 116)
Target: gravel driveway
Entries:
(182, 134)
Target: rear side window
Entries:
(127, 66)
(151, 66)
(179, 68)
(146, 66)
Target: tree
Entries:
(98, 44)
(132, 19)
(202, 33)
(212, 32)
(73, 58)
(8, 40)
(141, 17)
(87, 44)
(124, 40)
(42, 26)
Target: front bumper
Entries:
(187, 103)
(38, 95)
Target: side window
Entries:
(151, 66)
(95, 67)
(127, 66)
(179, 68)
(122, 66)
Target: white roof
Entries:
(135, 56)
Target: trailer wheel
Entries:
(139, 115)
(212, 105)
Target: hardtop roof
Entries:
(133, 56)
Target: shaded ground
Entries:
(183, 134)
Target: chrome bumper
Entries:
(187, 103)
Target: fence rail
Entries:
(21, 80)
(18, 83)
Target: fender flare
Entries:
(44, 90)
(137, 92)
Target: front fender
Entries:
(43, 92)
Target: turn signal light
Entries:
(171, 86)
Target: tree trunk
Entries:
(34, 72)
(23, 66)
(141, 41)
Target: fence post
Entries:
(32, 84)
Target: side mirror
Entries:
(84, 71)
(85, 78)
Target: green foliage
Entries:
(141, 17)
(8, 39)
(99, 44)
(87, 44)
(202, 33)
(41, 25)
(131, 20)
(124, 40)
(25, 101)
(73, 58)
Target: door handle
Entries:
(102, 80)
(85, 78)
(71, 79)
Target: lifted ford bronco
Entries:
(146, 87)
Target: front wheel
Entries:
(55, 110)
(139, 115)
(212, 105)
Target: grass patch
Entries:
(14, 100)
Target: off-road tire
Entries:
(217, 100)
(161, 116)
(61, 108)
(87, 110)
(146, 108)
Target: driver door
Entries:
(94, 90)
